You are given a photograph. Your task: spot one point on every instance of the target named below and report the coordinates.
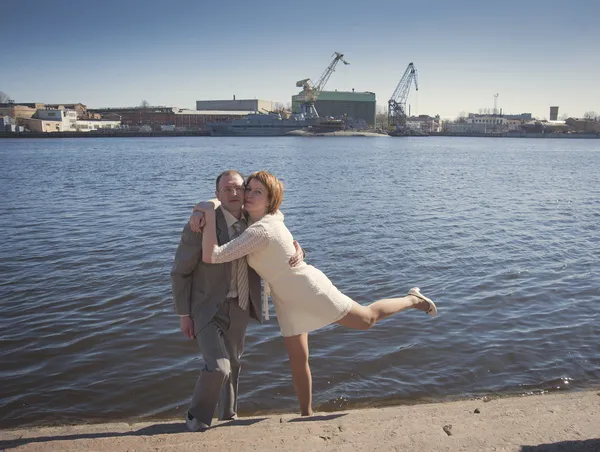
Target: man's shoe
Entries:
(193, 424)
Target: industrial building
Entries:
(498, 123)
(355, 105)
(247, 105)
(28, 109)
(425, 123)
(64, 120)
(9, 124)
(39, 117)
(164, 118)
(489, 123)
(19, 111)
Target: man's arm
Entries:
(187, 256)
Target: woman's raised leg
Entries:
(364, 317)
(297, 349)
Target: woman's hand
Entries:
(205, 206)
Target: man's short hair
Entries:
(228, 173)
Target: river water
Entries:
(501, 233)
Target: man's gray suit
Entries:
(200, 290)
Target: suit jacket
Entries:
(199, 289)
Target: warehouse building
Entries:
(165, 118)
(355, 105)
(247, 105)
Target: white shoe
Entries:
(193, 424)
(432, 310)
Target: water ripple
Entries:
(501, 233)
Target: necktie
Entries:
(242, 270)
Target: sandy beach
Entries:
(564, 422)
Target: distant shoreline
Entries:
(345, 133)
(579, 136)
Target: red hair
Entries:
(273, 186)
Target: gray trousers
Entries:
(222, 344)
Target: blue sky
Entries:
(117, 53)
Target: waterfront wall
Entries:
(106, 134)
(516, 135)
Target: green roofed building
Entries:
(339, 103)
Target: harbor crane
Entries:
(310, 90)
(397, 103)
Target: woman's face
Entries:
(256, 197)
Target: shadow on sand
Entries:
(327, 417)
(587, 445)
(151, 430)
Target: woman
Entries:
(304, 298)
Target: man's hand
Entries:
(186, 324)
(297, 258)
(198, 217)
(197, 221)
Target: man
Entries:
(214, 303)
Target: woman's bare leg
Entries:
(364, 317)
(297, 349)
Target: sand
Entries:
(560, 422)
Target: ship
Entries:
(273, 124)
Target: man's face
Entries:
(231, 193)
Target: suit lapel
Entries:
(222, 233)
(223, 237)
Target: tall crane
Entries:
(397, 103)
(310, 91)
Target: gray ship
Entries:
(272, 124)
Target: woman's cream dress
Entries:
(304, 298)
